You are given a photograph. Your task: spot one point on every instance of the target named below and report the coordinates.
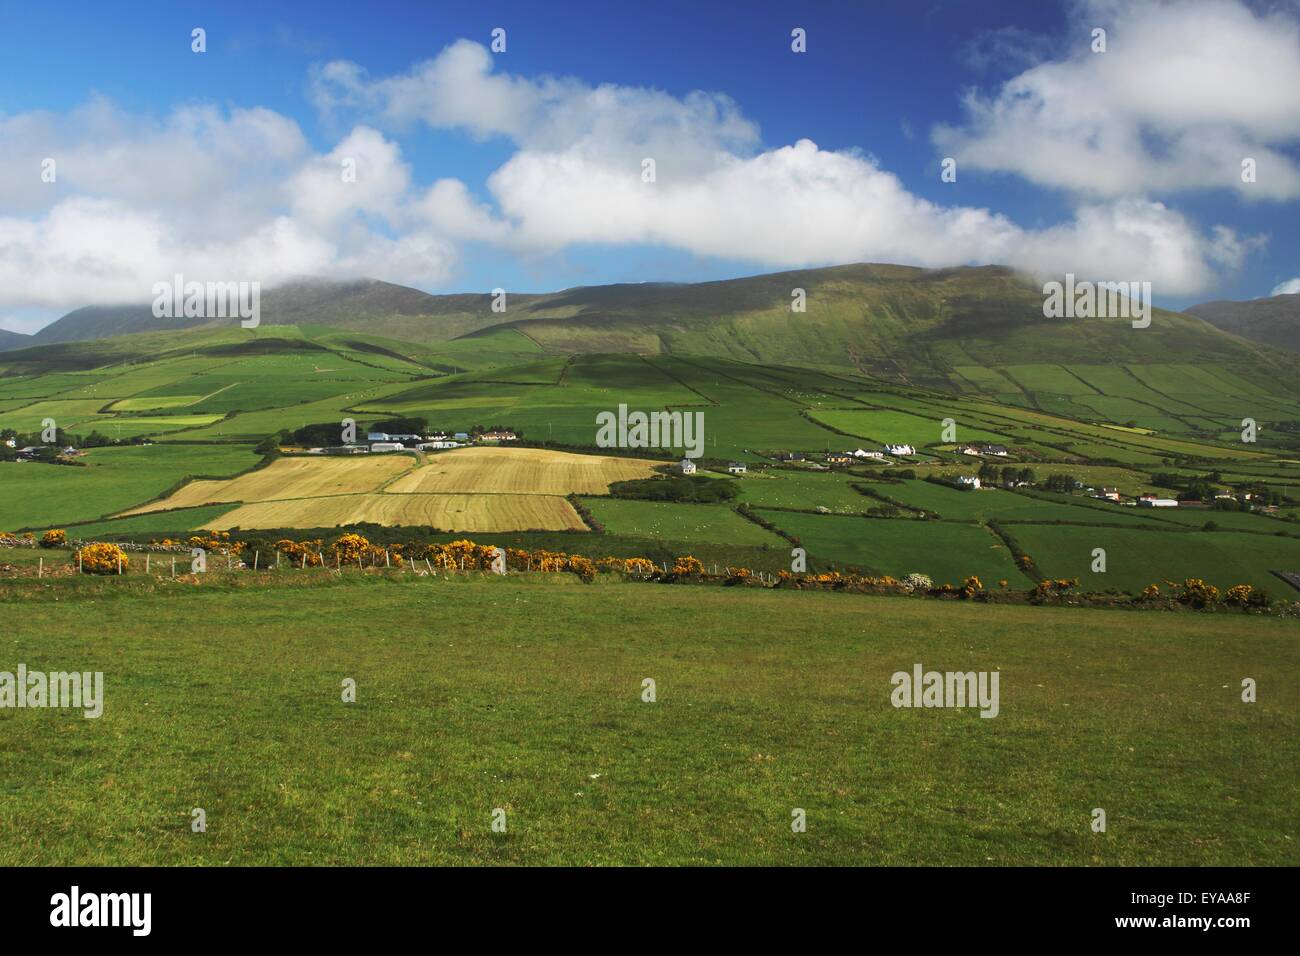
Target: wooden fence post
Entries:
(40, 568)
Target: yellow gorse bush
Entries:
(688, 565)
(101, 558)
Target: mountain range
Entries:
(897, 322)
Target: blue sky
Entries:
(875, 91)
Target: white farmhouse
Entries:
(687, 466)
(970, 481)
(899, 450)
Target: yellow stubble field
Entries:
(453, 512)
(469, 489)
(529, 471)
(288, 478)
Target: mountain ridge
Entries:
(896, 322)
(1272, 320)
(14, 340)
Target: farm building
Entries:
(999, 451)
(790, 456)
(736, 467)
(387, 446)
(498, 436)
(970, 481)
(899, 450)
(1151, 501)
(687, 466)
(839, 458)
(863, 453)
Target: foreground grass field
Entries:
(520, 693)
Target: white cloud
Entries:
(363, 175)
(576, 177)
(458, 89)
(232, 196)
(1290, 287)
(450, 210)
(1186, 90)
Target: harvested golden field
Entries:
(525, 471)
(448, 512)
(289, 478)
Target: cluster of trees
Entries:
(414, 425)
(1061, 483)
(1008, 475)
(315, 436)
(693, 488)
